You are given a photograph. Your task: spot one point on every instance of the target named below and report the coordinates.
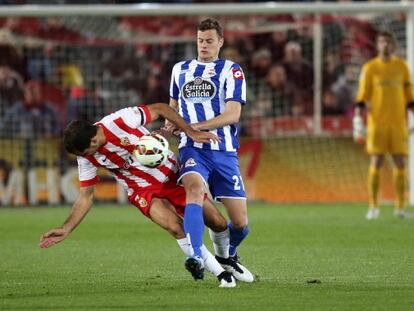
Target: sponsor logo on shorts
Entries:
(190, 162)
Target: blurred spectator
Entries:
(346, 86)
(330, 104)
(39, 64)
(11, 88)
(261, 62)
(85, 105)
(303, 35)
(234, 55)
(275, 42)
(70, 76)
(332, 68)
(155, 90)
(358, 44)
(276, 97)
(300, 73)
(32, 117)
(9, 54)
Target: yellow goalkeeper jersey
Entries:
(386, 89)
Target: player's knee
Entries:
(194, 192)
(240, 224)
(216, 223)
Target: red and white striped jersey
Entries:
(123, 129)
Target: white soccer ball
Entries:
(151, 150)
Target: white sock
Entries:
(210, 262)
(185, 247)
(221, 242)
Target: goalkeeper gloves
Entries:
(358, 129)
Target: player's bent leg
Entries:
(163, 214)
(238, 230)
(225, 278)
(194, 223)
(211, 264)
(193, 215)
(212, 217)
(238, 226)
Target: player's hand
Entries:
(358, 129)
(53, 237)
(162, 132)
(203, 137)
(170, 128)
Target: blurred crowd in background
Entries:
(55, 69)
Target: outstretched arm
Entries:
(171, 115)
(79, 210)
(230, 116)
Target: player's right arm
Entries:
(364, 95)
(80, 208)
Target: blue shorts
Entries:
(220, 171)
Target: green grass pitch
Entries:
(118, 260)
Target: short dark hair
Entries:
(387, 34)
(77, 136)
(211, 23)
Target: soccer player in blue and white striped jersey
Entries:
(209, 92)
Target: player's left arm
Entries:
(408, 89)
(231, 115)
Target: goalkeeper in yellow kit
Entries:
(385, 90)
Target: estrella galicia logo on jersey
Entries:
(198, 90)
(190, 162)
(237, 74)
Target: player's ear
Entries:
(221, 42)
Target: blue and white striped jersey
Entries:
(201, 90)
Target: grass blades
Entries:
(305, 257)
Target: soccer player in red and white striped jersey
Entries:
(110, 143)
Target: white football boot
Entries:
(233, 265)
(373, 213)
(402, 213)
(226, 280)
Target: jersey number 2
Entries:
(238, 182)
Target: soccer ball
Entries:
(151, 150)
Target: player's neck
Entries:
(207, 60)
(385, 58)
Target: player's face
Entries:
(208, 45)
(93, 146)
(385, 46)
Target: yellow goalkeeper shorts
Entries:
(391, 139)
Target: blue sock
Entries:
(236, 237)
(194, 226)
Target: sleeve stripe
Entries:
(89, 182)
(146, 114)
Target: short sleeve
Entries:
(235, 85)
(87, 172)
